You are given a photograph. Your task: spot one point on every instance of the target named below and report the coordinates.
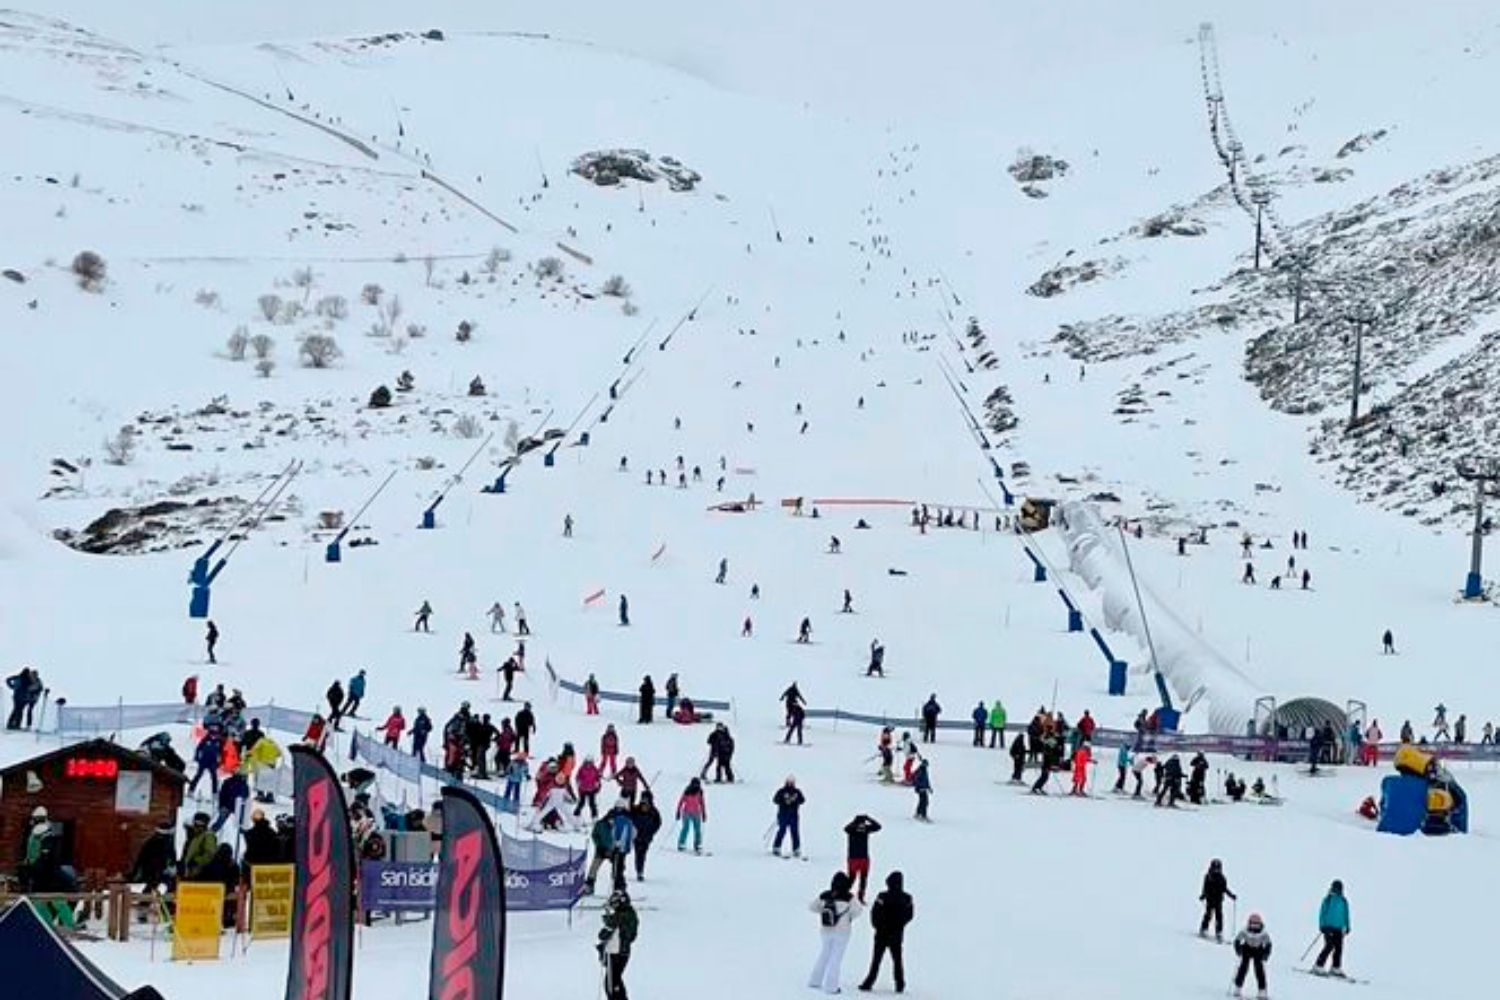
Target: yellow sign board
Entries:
(200, 915)
(271, 901)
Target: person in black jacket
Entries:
(1017, 758)
(1171, 782)
(857, 862)
(647, 822)
(1215, 888)
(892, 911)
(262, 845)
(648, 700)
(156, 863)
(788, 801)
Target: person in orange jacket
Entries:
(1082, 758)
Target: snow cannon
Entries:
(1422, 796)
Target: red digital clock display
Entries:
(89, 768)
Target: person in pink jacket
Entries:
(692, 813)
(393, 727)
(589, 780)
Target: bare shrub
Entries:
(319, 350)
(237, 342)
(370, 294)
(429, 265)
(380, 398)
(416, 331)
(120, 449)
(467, 427)
(90, 270)
(264, 367)
(617, 286)
(549, 268)
(496, 258)
(304, 279)
(270, 306)
(629, 308)
(207, 298)
(291, 311)
(262, 344)
(465, 331)
(334, 307)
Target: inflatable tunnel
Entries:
(1423, 796)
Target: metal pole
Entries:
(1473, 586)
(1259, 206)
(1140, 606)
(1297, 294)
(1359, 346)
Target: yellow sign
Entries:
(200, 915)
(271, 901)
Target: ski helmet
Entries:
(1255, 920)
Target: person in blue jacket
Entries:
(206, 756)
(356, 694)
(922, 785)
(622, 831)
(981, 717)
(1122, 766)
(1333, 922)
(788, 800)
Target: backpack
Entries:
(829, 915)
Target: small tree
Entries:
(303, 278)
(497, 257)
(262, 344)
(120, 449)
(380, 398)
(334, 307)
(549, 268)
(264, 367)
(270, 306)
(237, 342)
(319, 350)
(291, 311)
(416, 331)
(465, 331)
(467, 427)
(629, 308)
(370, 294)
(207, 298)
(90, 270)
(616, 286)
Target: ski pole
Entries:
(1311, 945)
(765, 838)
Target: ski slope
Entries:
(854, 191)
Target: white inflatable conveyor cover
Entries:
(1200, 677)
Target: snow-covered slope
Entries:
(855, 208)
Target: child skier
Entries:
(1333, 923)
(1253, 946)
(692, 813)
(1215, 888)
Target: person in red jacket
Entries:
(393, 727)
(1082, 757)
(190, 690)
(1086, 727)
(609, 750)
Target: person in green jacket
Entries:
(201, 846)
(997, 725)
(602, 835)
(616, 936)
(1333, 922)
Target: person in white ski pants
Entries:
(837, 910)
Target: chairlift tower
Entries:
(1483, 473)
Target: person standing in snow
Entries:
(1197, 779)
(892, 911)
(589, 781)
(804, 631)
(692, 813)
(720, 755)
(567, 525)
(508, 671)
(1171, 783)
(522, 626)
(837, 910)
(922, 785)
(981, 717)
(468, 654)
(617, 933)
(1122, 767)
(673, 690)
(877, 660)
(609, 750)
(930, 712)
(421, 728)
(1215, 888)
(647, 820)
(601, 839)
(211, 639)
(1253, 946)
(591, 695)
(723, 571)
(622, 842)
(624, 610)
(1017, 758)
(648, 701)
(795, 714)
(424, 615)
(335, 695)
(1082, 758)
(1333, 924)
(356, 694)
(857, 853)
(788, 801)
(497, 617)
(997, 724)
(1388, 643)
(631, 780)
(393, 727)
(848, 608)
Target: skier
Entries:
(1215, 888)
(648, 701)
(1051, 757)
(747, 629)
(1122, 767)
(609, 750)
(795, 714)
(1082, 758)
(1171, 784)
(692, 813)
(622, 842)
(922, 785)
(836, 909)
(720, 755)
(567, 525)
(591, 695)
(1197, 780)
(523, 627)
(997, 724)
(602, 839)
(848, 608)
(892, 911)
(930, 712)
(393, 727)
(887, 756)
(356, 694)
(673, 689)
(647, 822)
(624, 610)
(788, 800)
(804, 631)
(1249, 575)
(617, 934)
(467, 654)
(516, 773)
(190, 690)
(206, 756)
(211, 638)
(1017, 758)
(857, 854)
(335, 695)
(1333, 923)
(497, 617)
(631, 780)
(525, 727)
(1388, 643)
(421, 728)
(508, 671)
(723, 571)
(1253, 946)
(981, 717)
(877, 660)
(424, 614)
(589, 780)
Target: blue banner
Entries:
(411, 887)
(555, 888)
